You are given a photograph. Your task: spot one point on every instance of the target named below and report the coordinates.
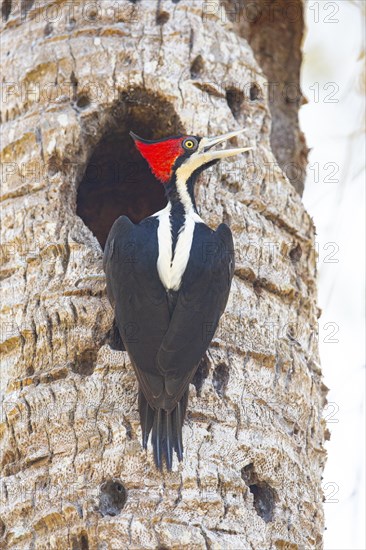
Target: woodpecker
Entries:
(168, 280)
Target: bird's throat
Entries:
(175, 233)
(181, 197)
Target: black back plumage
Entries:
(166, 333)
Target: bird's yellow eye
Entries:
(190, 144)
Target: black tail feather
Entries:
(166, 430)
(168, 443)
(178, 418)
(157, 437)
(146, 418)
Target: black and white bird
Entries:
(168, 280)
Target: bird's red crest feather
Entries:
(161, 156)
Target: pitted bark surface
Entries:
(74, 474)
(274, 30)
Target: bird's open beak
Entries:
(206, 145)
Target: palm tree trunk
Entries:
(77, 77)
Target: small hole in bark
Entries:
(162, 17)
(2, 528)
(128, 428)
(48, 29)
(197, 66)
(296, 253)
(264, 496)
(80, 544)
(57, 164)
(70, 24)
(83, 102)
(201, 374)
(254, 92)
(73, 80)
(257, 287)
(74, 84)
(117, 180)
(30, 371)
(235, 98)
(292, 332)
(5, 9)
(25, 6)
(112, 498)
(53, 165)
(220, 379)
(264, 500)
(84, 544)
(7, 458)
(85, 362)
(92, 15)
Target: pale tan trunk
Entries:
(74, 474)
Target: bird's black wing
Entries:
(138, 297)
(166, 334)
(201, 302)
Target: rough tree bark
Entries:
(76, 78)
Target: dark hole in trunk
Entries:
(264, 496)
(112, 497)
(117, 180)
(6, 9)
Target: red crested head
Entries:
(194, 154)
(161, 155)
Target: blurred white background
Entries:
(334, 122)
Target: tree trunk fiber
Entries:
(76, 78)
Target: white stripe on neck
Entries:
(171, 270)
(182, 175)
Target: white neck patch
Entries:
(171, 270)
